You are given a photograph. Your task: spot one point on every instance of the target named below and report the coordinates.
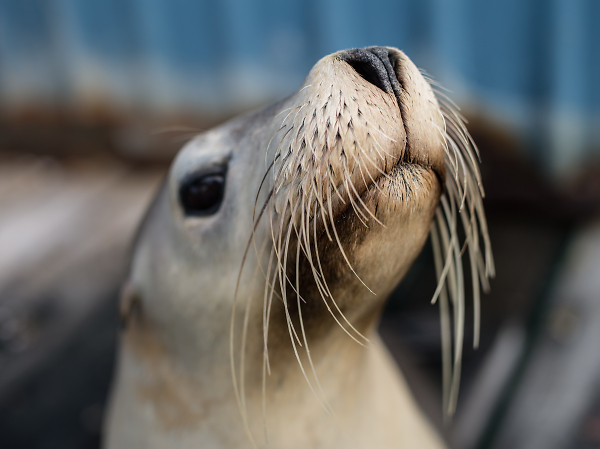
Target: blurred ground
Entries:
(65, 231)
(67, 219)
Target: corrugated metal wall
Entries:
(534, 65)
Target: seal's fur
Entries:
(329, 197)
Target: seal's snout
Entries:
(360, 115)
(376, 65)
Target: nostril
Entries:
(375, 66)
(369, 73)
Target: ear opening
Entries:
(130, 304)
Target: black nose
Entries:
(376, 66)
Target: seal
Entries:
(262, 267)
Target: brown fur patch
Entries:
(165, 387)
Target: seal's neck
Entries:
(162, 398)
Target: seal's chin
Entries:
(389, 222)
(403, 189)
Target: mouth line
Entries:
(397, 171)
(407, 160)
(429, 167)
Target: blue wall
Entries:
(534, 65)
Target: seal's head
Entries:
(278, 236)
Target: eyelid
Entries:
(219, 168)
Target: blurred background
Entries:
(96, 97)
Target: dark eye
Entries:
(202, 195)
